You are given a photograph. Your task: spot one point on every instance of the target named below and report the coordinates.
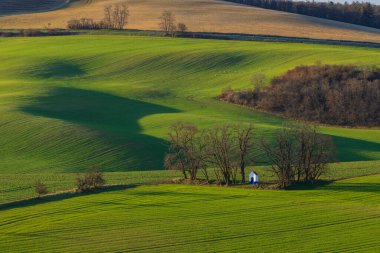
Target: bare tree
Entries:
(181, 27)
(313, 153)
(244, 134)
(167, 23)
(120, 15)
(222, 153)
(186, 150)
(108, 20)
(281, 155)
(299, 153)
(116, 16)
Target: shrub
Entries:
(40, 188)
(181, 27)
(167, 23)
(87, 24)
(93, 179)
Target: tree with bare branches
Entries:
(167, 23)
(281, 155)
(186, 150)
(181, 27)
(298, 153)
(313, 153)
(244, 135)
(222, 153)
(116, 16)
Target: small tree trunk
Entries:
(184, 174)
(242, 171)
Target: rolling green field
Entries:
(15, 187)
(67, 103)
(340, 217)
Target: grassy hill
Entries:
(199, 15)
(343, 215)
(11, 7)
(67, 103)
(20, 187)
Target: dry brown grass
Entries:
(203, 16)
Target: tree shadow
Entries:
(62, 196)
(59, 69)
(350, 150)
(339, 186)
(114, 118)
(353, 187)
(347, 150)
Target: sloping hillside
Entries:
(11, 7)
(344, 215)
(69, 102)
(202, 16)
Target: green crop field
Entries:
(15, 187)
(340, 217)
(67, 103)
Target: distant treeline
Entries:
(338, 95)
(359, 13)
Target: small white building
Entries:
(253, 178)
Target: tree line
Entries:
(359, 13)
(296, 153)
(333, 94)
(116, 18)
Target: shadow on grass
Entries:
(339, 186)
(114, 118)
(347, 150)
(59, 69)
(62, 196)
(350, 150)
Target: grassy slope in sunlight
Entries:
(69, 102)
(14, 187)
(344, 215)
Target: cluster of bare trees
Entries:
(225, 148)
(168, 26)
(333, 94)
(115, 17)
(296, 154)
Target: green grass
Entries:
(340, 217)
(14, 187)
(67, 103)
